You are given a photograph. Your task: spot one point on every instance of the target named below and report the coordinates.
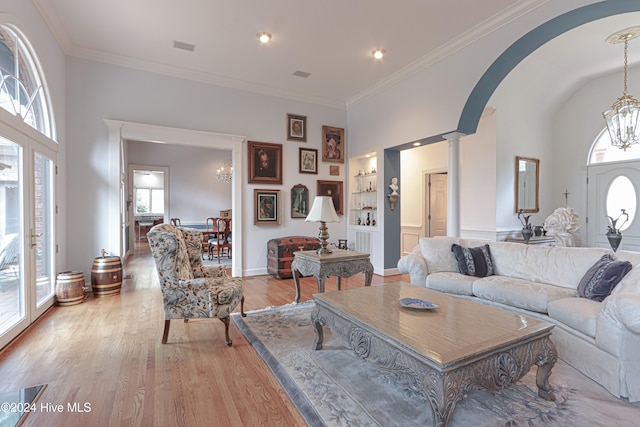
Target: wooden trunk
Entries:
(280, 253)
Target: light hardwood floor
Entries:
(106, 352)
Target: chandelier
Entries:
(623, 117)
(225, 172)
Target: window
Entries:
(149, 201)
(21, 84)
(603, 152)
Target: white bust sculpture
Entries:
(394, 186)
(561, 225)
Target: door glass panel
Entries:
(621, 201)
(12, 296)
(43, 232)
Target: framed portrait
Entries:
(296, 128)
(333, 144)
(308, 160)
(265, 163)
(332, 189)
(334, 170)
(266, 207)
(299, 201)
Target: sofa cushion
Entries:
(580, 314)
(630, 283)
(437, 252)
(602, 277)
(473, 261)
(519, 292)
(450, 282)
(562, 266)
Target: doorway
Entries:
(435, 209)
(148, 200)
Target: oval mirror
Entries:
(527, 183)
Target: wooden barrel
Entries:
(106, 276)
(70, 287)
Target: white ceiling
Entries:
(331, 39)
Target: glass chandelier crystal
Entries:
(225, 172)
(623, 117)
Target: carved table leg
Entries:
(545, 364)
(442, 393)
(368, 275)
(296, 281)
(320, 278)
(317, 327)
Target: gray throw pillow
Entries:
(473, 261)
(602, 277)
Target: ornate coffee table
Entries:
(440, 353)
(339, 263)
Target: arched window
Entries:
(603, 152)
(22, 89)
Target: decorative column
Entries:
(453, 184)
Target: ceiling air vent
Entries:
(302, 74)
(184, 46)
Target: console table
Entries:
(339, 263)
(534, 240)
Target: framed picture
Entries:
(296, 128)
(308, 160)
(266, 207)
(334, 190)
(333, 144)
(334, 170)
(265, 163)
(299, 201)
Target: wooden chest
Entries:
(280, 253)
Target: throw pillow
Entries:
(602, 277)
(473, 261)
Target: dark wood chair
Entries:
(176, 222)
(222, 240)
(208, 234)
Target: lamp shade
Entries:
(322, 210)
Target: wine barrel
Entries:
(106, 276)
(70, 287)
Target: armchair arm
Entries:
(623, 309)
(414, 264)
(210, 271)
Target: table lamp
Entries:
(323, 211)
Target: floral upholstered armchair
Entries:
(189, 289)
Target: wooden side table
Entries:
(339, 263)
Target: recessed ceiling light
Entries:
(417, 144)
(302, 74)
(378, 53)
(264, 37)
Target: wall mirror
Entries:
(527, 184)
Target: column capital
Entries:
(453, 136)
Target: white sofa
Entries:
(600, 339)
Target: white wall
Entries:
(99, 91)
(195, 193)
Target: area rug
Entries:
(334, 387)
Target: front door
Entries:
(611, 188)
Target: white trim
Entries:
(167, 135)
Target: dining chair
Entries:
(222, 241)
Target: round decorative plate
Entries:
(417, 303)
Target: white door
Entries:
(612, 187)
(436, 209)
(27, 232)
